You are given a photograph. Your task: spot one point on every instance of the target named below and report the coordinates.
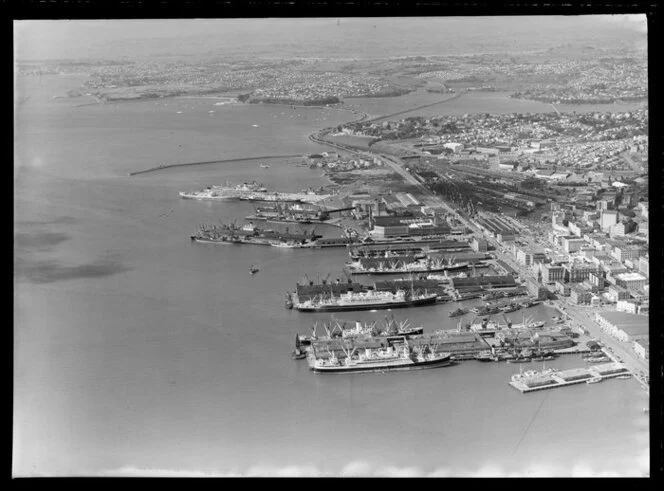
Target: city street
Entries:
(618, 350)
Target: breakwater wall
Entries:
(186, 164)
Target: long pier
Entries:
(186, 164)
(569, 377)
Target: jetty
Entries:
(525, 383)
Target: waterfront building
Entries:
(482, 282)
(642, 347)
(479, 245)
(631, 281)
(623, 326)
(630, 306)
(386, 231)
(549, 339)
(618, 293)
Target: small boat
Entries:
(485, 356)
(265, 166)
(544, 358)
(458, 312)
(253, 270)
(594, 380)
(298, 354)
(625, 376)
(519, 360)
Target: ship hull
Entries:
(206, 198)
(410, 271)
(255, 241)
(374, 306)
(402, 365)
(263, 242)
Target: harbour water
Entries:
(137, 351)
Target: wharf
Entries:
(579, 349)
(568, 377)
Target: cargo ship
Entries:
(390, 330)
(225, 192)
(396, 266)
(250, 234)
(307, 196)
(251, 192)
(391, 358)
(369, 300)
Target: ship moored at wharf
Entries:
(250, 234)
(251, 192)
(225, 192)
(368, 300)
(398, 266)
(391, 358)
(298, 212)
(391, 330)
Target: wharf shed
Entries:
(574, 374)
(507, 267)
(483, 282)
(394, 285)
(307, 291)
(550, 339)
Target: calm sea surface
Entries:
(138, 351)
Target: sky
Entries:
(75, 39)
